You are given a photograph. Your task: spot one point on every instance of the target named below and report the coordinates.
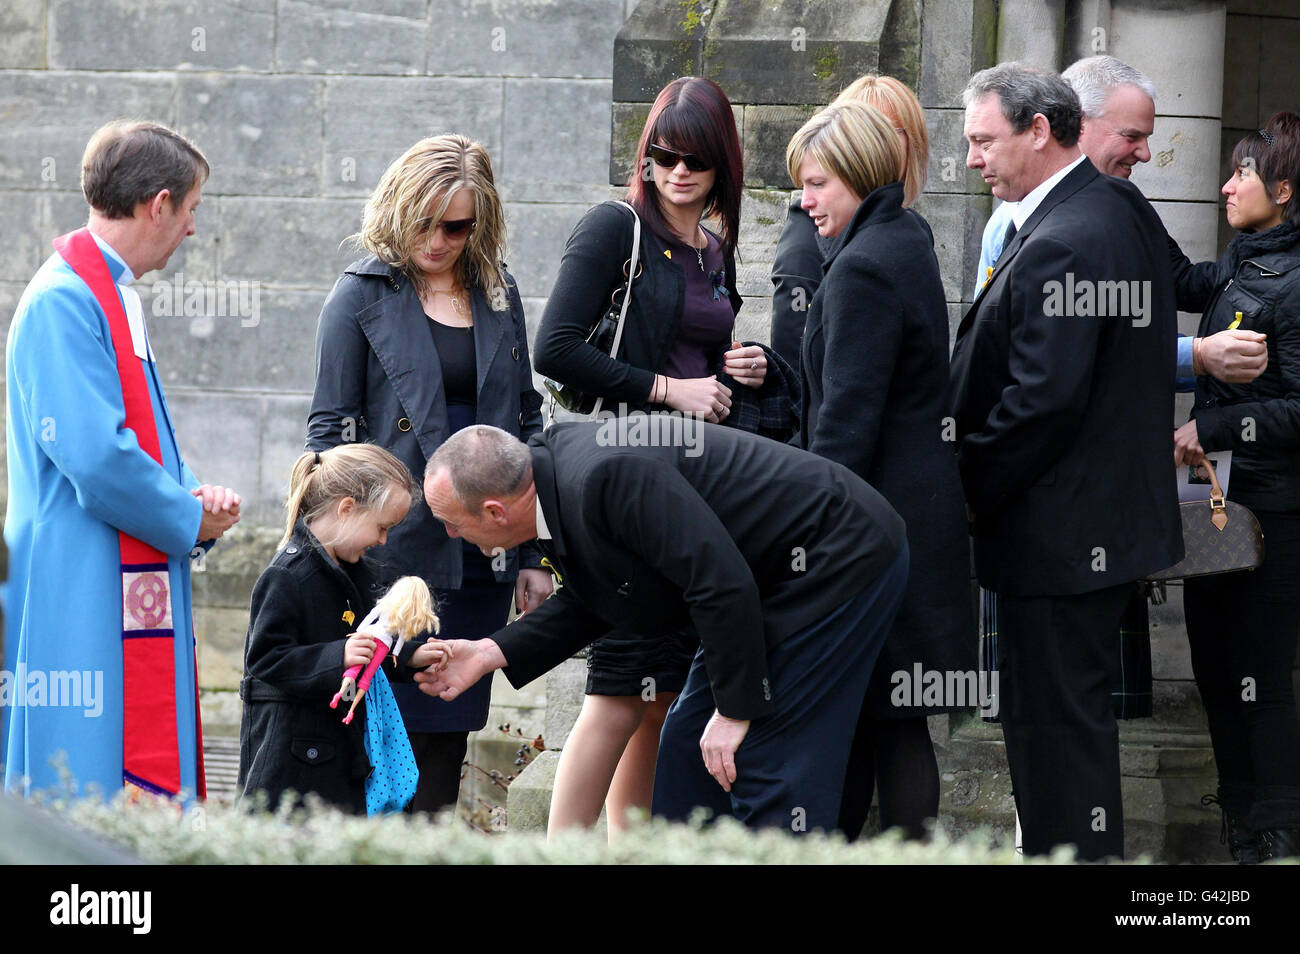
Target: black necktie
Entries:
(1007, 236)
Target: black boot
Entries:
(1275, 815)
(1279, 843)
(1242, 840)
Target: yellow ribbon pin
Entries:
(1235, 322)
(551, 566)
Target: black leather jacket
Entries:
(591, 269)
(1258, 276)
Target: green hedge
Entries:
(164, 833)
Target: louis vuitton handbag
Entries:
(1219, 536)
(607, 333)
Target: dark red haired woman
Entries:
(678, 326)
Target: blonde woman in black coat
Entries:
(874, 368)
(419, 339)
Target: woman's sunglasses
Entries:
(668, 158)
(452, 228)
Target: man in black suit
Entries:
(1063, 375)
(789, 567)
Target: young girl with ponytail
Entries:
(307, 605)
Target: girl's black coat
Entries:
(289, 737)
(875, 398)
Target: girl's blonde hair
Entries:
(896, 101)
(414, 193)
(849, 140)
(408, 608)
(365, 472)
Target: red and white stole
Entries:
(150, 748)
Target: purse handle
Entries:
(1218, 510)
(632, 269)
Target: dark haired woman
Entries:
(678, 326)
(419, 339)
(1243, 627)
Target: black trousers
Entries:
(439, 756)
(790, 766)
(1056, 662)
(1243, 628)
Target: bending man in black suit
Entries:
(1062, 374)
(789, 566)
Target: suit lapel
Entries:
(544, 482)
(1078, 177)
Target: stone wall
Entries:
(299, 107)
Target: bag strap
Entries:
(632, 267)
(1218, 511)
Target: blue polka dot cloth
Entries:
(394, 773)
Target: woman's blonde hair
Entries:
(408, 608)
(365, 472)
(849, 140)
(899, 103)
(414, 193)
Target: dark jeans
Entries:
(1243, 629)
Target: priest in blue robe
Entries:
(103, 515)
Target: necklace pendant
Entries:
(699, 258)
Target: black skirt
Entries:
(629, 664)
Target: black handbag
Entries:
(1219, 536)
(607, 333)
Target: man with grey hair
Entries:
(1063, 417)
(1119, 113)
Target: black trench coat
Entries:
(875, 396)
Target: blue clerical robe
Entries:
(77, 475)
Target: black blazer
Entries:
(377, 368)
(591, 269)
(1065, 421)
(875, 393)
(749, 540)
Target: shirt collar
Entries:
(543, 531)
(1029, 204)
(127, 276)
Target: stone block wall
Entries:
(299, 107)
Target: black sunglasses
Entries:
(451, 227)
(668, 158)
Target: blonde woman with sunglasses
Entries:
(420, 338)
